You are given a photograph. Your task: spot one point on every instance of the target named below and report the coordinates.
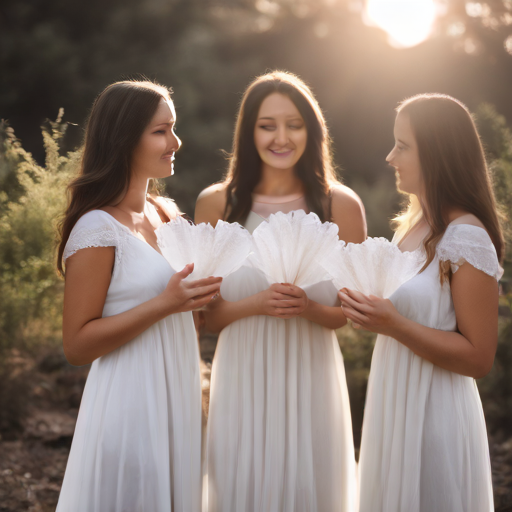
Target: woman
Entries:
(279, 430)
(424, 444)
(137, 442)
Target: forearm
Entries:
(220, 313)
(103, 335)
(449, 350)
(326, 316)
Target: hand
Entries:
(283, 300)
(369, 312)
(180, 295)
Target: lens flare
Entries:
(407, 22)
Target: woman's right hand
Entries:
(181, 295)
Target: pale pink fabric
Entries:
(264, 206)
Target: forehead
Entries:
(165, 112)
(403, 128)
(278, 105)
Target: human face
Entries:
(404, 157)
(153, 156)
(280, 133)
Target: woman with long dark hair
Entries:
(424, 444)
(137, 442)
(279, 428)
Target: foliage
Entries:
(31, 199)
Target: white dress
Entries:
(424, 446)
(137, 442)
(279, 430)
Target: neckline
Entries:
(262, 198)
(452, 224)
(129, 231)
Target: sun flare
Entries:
(407, 22)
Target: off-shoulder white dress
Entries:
(279, 429)
(137, 442)
(424, 445)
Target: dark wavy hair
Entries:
(314, 168)
(118, 118)
(453, 168)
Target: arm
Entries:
(470, 351)
(86, 335)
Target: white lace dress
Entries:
(424, 446)
(279, 430)
(137, 442)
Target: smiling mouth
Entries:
(281, 153)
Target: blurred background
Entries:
(361, 57)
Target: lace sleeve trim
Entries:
(103, 236)
(465, 243)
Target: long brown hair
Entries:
(453, 168)
(118, 118)
(314, 168)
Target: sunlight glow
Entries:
(407, 22)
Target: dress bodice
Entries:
(263, 206)
(424, 299)
(140, 272)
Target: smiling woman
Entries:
(407, 22)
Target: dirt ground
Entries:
(33, 460)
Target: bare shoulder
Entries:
(345, 198)
(348, 213)
(211, 203)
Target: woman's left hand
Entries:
(369, 312)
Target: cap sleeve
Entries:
(95, 229)
(465, 243)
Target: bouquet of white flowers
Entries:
(215, 251)
(375, 267)
(288, 245)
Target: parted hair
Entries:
(454, 171)
(117, 120)
(314, 168)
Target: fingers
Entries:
(186, 271)
(212, 289)
(288, 289)
(355, 316)
(357, 296)
(204, 282)
(355, 304)
(287, 313)
(290, 303)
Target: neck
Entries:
(135, 198)
(278, 182)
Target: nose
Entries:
(175, 142)
(390, 157)
(281, 135)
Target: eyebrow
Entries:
(402, 142)
(164, 124)
(288, 117)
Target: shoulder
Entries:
(95, 228)
(345, 200)
(347, 212)
(211, 203)
(466, 240)
(95, 219)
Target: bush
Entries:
(31, 199)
